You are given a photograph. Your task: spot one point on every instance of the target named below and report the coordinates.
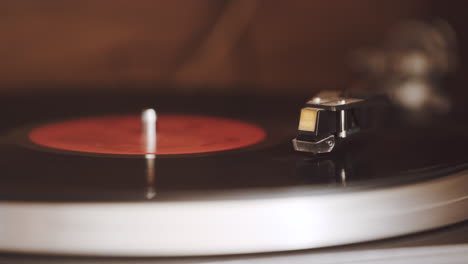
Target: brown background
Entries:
(274, 46)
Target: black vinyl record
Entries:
(393, 155)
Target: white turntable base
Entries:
(231, 226)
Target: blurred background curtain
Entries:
(273, 46)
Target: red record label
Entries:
(176, 134)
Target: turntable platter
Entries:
(260, 197)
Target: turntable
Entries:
(82, 179)
(210, 179)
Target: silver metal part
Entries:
(325, 145)
(343, 176)
(149, 121)
(341, 101)
(316, 100)
(332, 98)
(342, 132)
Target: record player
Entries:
(162, 178)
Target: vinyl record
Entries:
(223, 180)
